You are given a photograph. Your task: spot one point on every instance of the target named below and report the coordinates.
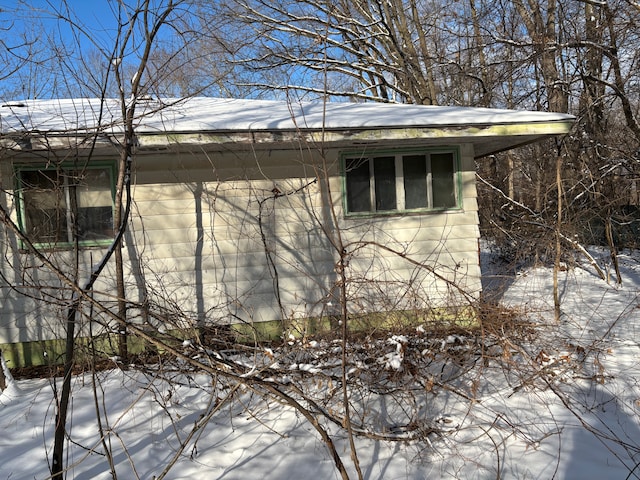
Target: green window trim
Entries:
(392, 182)
(61, 206)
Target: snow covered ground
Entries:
(561, 402)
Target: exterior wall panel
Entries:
(225, 238)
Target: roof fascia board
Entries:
(153, 141)
(537, 129)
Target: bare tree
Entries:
(148, 21)
(403, 51)
(395, 51)
(138, 27)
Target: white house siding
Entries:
(285, 264)
(446, 243)
(197, 252)
(260, 253)
(35, 300)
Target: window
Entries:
(400, 182)
(62, 205)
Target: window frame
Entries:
(399, 155)
(109, 166)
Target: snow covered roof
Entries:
(209, 115)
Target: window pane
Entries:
(45, 209)
(358, 186)
(414, 170)
(384, 169)
(94, 204)
(95, 223)
(93, 188)
(54, 198)
(442, 179)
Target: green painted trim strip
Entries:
(26, 354)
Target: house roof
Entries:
(215, 121)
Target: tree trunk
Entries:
(613, 251)
(558, 255)
(3, 378)
(123, 351)
(65, 395)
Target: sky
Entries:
(37, 39)
(95, 14)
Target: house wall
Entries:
(230, 237)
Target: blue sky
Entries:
(97, 16)
(51, 39)
(93, 12)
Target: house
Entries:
(246, 212)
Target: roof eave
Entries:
(488, 139)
